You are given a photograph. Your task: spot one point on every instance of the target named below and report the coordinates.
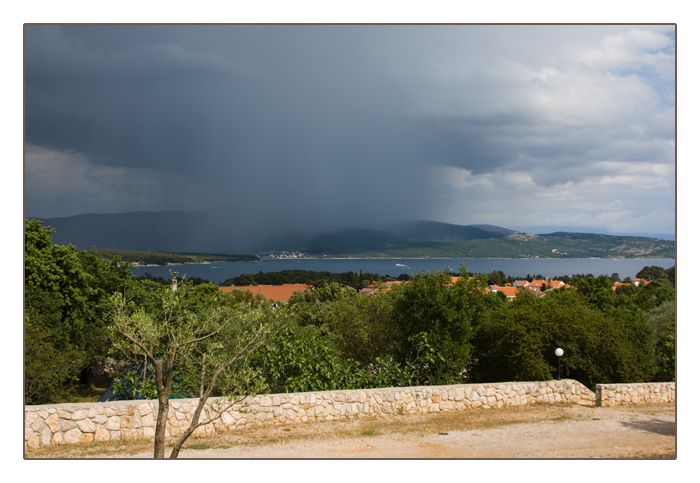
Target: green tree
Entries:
(597, 290)
(652, 273)
(302, 359)
(434, 319)
(209, 342)
(497, 277)
(517, 342)
(665, 350)
(66, 312)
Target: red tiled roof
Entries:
(272, 293)
(508, 291)
(379, 286)
(618, 284)
(539, 284)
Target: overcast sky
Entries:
(516, 126)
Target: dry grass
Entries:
(436, 423)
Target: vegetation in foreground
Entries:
(426, 332)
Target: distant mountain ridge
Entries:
(217, 231)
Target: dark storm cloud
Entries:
(340, 124)
(302, 120)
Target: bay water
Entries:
(516, 267)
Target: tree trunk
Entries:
(163, 382)
(161, 424)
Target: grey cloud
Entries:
(339, 124)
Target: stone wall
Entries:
(642, 393)
(87, 422)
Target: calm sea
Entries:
(516, 267)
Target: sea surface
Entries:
(516, 267)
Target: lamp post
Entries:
(559, 352)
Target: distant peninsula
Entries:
(167, 258)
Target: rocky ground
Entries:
(561, 431)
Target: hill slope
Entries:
(218, 231)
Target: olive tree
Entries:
(203, 343)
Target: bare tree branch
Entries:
(199, 339)
(136, 343)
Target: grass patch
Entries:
(198, 446)
(369, 431)
(668, 454)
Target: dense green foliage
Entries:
(430, 330)
(66, 313)
(349, 279)
(517, 342)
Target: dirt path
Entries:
(531, 432)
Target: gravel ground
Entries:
(564, 432)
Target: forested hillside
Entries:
(222, 231)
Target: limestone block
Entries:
(113, 423)
(145, 409)
(57, 439)
(447, 405)
(86, 426)
(72, 436)
(125, 422)
(101, 434)
(52, 423)
(79, 414)
(30, 417)
(37, 425)
(100, 419)
(34, 441)
(226, 419)
(136, 421)
(66, 425)
(46, 436)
